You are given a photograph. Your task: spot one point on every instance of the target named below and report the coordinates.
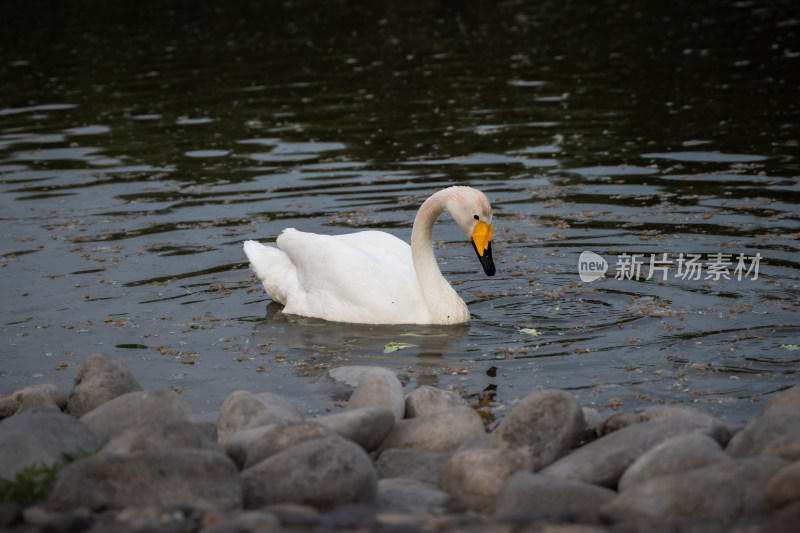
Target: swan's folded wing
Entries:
(365, 277)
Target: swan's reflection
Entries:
(420, 345)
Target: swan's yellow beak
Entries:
(482, 242)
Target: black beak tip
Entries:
(486, 260)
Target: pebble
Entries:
(426, 400)
(474, 477)
(425, 467)
(251, 446)
(603, 461)
(379, 387)
(44, 395)
(322, 473)
(98, 379)
(146, 410)
(41, 436)
(243, 410)
(367, 427)
(674, 455)
(527, 491)
(443, 431)
(543, 426)
(548, 465)
(183, 476)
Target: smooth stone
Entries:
(41, 436)
(673, 456)
(186, 477)
(243, 410)
(535, 492)
(603, 461)
(171, 436)
(775, 433)
(44, 395)
(323, 473)
(257, 521)
(426, 400)
(379, 387)
(787, 401)
(99, 378)
(438, 432)
(367, 427)
(411, 496)
(591, 421)
(720, 494)
(425, 467)
(146, 410)
(637, 416)
(474, 477)
(543, 425)
(251, 446)
(783, 521)
(784, 487)
(339, 383)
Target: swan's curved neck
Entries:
(444, 304)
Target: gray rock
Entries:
(379, 387)
(474, 477)
(591, 421)
(673, 456)
(425, 467)
(41, 436)
(603, 461)
(257, 521)
(323, 473)
(784, 487)
(535, 492)
(147, 410)
(637, 416)
(410, 496)
(339, 383)
(99, 378)
(44, 395)
(187, 477)
(438, 432)
(426, 400)
(787, 401)
(720, 494)
(243, 410)
(543, 425)
(251, 446)
(172, 436)
(367, 427)
(774, 433)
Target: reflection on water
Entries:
(140, 146)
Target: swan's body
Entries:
(372, 277)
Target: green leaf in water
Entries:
(530, 331)
(198, 326)
(790, 347)
(394, 346)
(556, 308)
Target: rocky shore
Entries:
(126, 460)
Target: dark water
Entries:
(141, 144)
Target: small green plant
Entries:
(35, 481)
(32, 483)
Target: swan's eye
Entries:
(476, 217)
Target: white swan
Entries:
(372, 277)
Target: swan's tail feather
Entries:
(273, 268)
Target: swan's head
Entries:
(472, 212)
